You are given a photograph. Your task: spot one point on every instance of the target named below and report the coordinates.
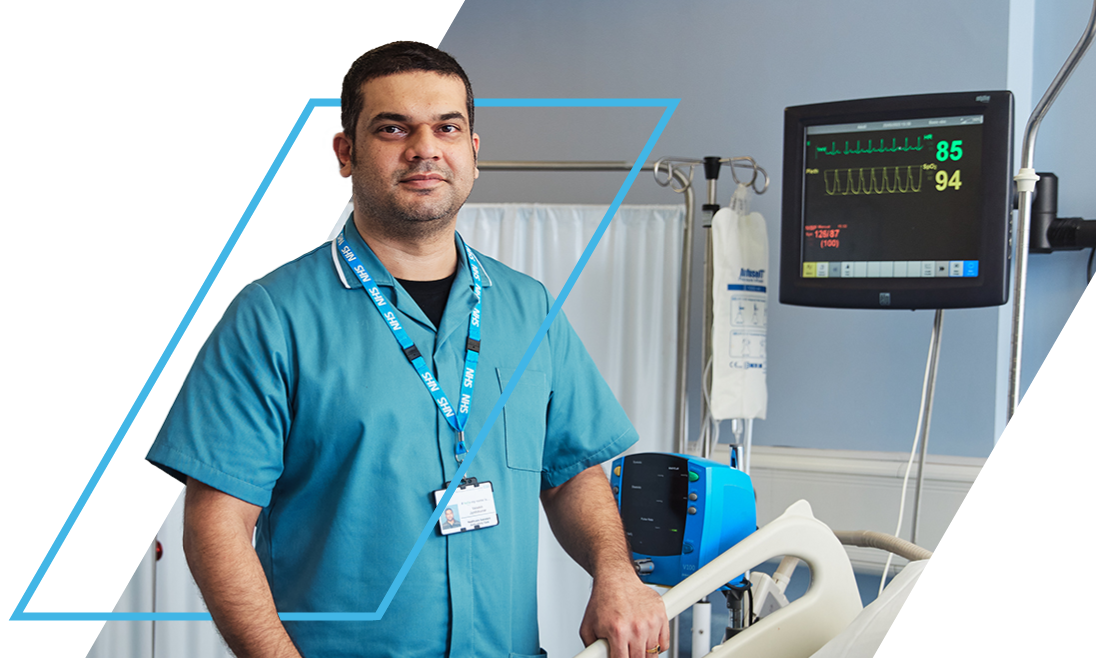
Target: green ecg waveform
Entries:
(894, 147)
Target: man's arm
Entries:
(217, 531)
(622, 609)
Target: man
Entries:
(309, 418)
(450, 522)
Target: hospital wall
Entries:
(838, 379)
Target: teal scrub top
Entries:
(302, 402)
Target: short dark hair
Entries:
(392, 58)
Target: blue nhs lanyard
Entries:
(457, 419)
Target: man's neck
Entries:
(425, 258)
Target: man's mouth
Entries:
(423, 179)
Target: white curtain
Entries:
(624, 307)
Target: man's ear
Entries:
(475, 155)
(344, 149)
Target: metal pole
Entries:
(153, 648)
(681, 420)
(744, 458)
(558, 165)
(927, 393)
(706, 341)
(706, 330)
(1026, 184)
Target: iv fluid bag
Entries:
(740, 245)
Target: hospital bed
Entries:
(828, 620)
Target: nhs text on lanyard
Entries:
(456, 419)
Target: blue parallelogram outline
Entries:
(668, 105)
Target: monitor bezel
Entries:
(989, 288)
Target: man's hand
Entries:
(622, 610)
(627, 613)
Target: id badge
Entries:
(472, 507)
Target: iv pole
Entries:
(1025, 184)
(701, 640)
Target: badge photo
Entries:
(472, 507)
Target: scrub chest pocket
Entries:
(525, 418)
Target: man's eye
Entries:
(448, 128)
(392, 130)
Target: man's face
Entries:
(413, 158)
(449, 515)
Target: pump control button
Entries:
(693, 496)
(616, 471)
(616, 490)
(692, 510)
(686, 548)
(693, 477)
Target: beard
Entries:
(413, 216)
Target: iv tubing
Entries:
(927, 391)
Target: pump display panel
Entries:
(901, 202)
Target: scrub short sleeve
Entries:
(586, 425)
(228, 425)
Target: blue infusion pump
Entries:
(680, 512)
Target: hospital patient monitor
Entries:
(902, 202)
(680, 512)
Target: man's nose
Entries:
(423, 145)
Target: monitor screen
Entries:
(901, 202)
